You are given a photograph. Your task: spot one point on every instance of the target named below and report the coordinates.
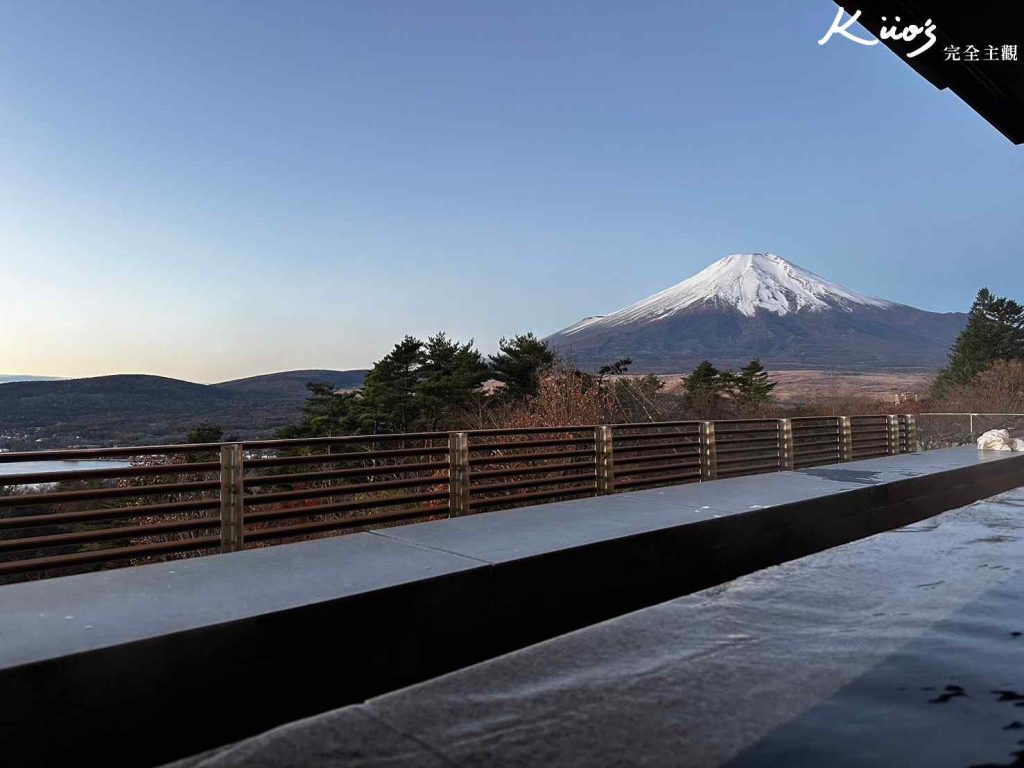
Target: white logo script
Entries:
(909, 33)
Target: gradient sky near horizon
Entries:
(209, 190)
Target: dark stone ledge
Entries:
(169, 659)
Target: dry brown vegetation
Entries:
(999, 389)
(570, 398)
(803, 387)
(565, 398)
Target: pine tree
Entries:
(326, 413)
(705, 378)
(995, 331)
(416, 386)
(449, 376)
(390, 402)
(751, 387)
(420, 385)
(519, 364)
(704, 389)
(329, 413)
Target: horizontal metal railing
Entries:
(185, 500)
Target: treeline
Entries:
(441, 384)
(986, 362)
(424, 386)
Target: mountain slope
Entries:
(137, 409)
(293, 383)
(760, 305)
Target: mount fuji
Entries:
(760, 305)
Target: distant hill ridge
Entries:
(6, 378)
(136, 409)
(294, 382)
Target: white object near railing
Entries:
(971, 418)
(999, 440)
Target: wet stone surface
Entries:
(905, 649)
(845, 475)
(952, 697)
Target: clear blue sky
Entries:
(217, 189)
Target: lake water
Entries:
(24, 467)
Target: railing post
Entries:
(232, 498)
(912, 444)
(973, 436)
(845, 439)
(785, 444)
(894, 434)
(708, 454)
(458, 474)
(605, 465)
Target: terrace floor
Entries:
(905, 648)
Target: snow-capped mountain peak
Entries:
(746, 282)
(759, 305)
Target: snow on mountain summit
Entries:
(759, 305)
(746, 282)
(579, 325)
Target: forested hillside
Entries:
(135, 409)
